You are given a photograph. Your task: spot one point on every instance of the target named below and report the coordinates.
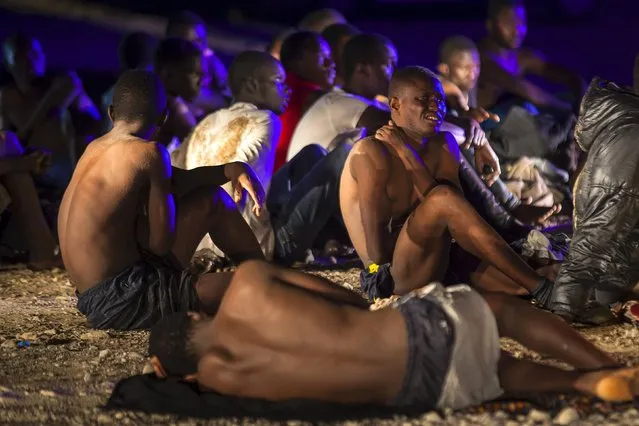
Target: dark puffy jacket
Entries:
(604, 252)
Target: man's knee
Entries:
(10, 145)
(211, 200)
(313, 151)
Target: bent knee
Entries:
(10, 145)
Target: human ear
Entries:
(443, 69)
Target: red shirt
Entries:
(300, 89)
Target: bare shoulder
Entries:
(370, 155)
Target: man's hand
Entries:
(487, 164)
(475, 136)
(480, 115)
(393, 136)
(242, 177)
(39, 161)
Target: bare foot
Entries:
(534, 215)
(610, 385)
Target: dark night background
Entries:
(595, 37)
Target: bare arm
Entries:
(372, 119)
(161, 205)
(87, 120)
(323, 287)
(59, 96)
(370, 169)
(496, 75)
(537, 65)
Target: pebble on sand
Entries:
(566, 416)
(103, 354)
(538, 416)
(48, 393)
(92, 336)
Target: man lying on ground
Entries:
(214, 93)
(402, 204)
(16, 170)
(247, 131)
(129, 224)
(434, 348)
(46, 111)
(459, 63)
(179, 64)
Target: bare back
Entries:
(99, 210)
(397, 195)
(276, 341)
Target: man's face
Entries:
(317, 66)
(422, 107)
(187, 78)
(383, 71)
(463, 69)
(511, 27)
(273, 91)
(26, 62)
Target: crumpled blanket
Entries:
(544, 247)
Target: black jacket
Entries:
(604, 252)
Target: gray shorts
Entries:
(454, 348)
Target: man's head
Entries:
(139, 101)
(337, 35)
(179, 64)
(189, 26)
(24, 58)
(507, 23)
(170, 348)
(307, 55)
(136, 50)
(368, 62)
(417, 100)
(275, 46)
(258, 78)
(459, 62)
(318, 20)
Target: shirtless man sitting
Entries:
(46, 111)
(16, 175)
(179, 64)
(433, 348)
(505, 64)
(402, 205)
(129, 224)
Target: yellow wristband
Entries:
(373, 268)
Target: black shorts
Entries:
(431, 339)
(139, 296)
(377, 285)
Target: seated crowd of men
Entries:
(261, 164)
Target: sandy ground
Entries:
(68, 371)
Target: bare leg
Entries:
(545, 333)
(421, 247)
(26, 204)
(211, 289)
(212, 211)
(517, 375)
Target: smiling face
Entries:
(510, 27)
(420, 107)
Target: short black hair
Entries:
(333, 34)
(169, 341)
(182, 20)
(313, 20)
(495, 7)
(408, 76)
(173, 51)
(363, 49)
(245, 65)
(137, 49)
(138, 96)
(453, 45)
(296, 44)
